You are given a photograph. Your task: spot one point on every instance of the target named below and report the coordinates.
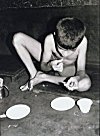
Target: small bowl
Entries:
(85, 104)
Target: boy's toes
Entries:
(24, 87)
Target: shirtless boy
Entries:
(62, 49)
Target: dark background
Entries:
(38, 17)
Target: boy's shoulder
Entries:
(49, 39)
(83, 44)
(49, 36)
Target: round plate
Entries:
(18, 111)
(62, 103)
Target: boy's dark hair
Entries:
(69, 32)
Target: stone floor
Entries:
(45, 121)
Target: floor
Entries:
(45, 121)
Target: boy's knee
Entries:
(84, 85)
(17, 38)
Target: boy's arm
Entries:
(81, 61)
(45, 65)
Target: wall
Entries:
(44, 3)
(36, 18)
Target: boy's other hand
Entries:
(57, 65)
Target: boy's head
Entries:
(69, 32)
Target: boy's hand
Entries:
(72, 84)
(57, 65)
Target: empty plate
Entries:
(18, 111)
(62, 103)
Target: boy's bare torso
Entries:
(69, 56)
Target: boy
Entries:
(62, 49)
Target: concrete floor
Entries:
(43, 120)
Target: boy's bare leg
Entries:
(41, 77)
(25, 45)
(84, 84)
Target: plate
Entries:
(18, 111)
(62, 103)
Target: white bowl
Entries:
(85, 104)
(62, 103)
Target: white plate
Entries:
(62, 103)
(18, 111)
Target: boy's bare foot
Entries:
(40, 77)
